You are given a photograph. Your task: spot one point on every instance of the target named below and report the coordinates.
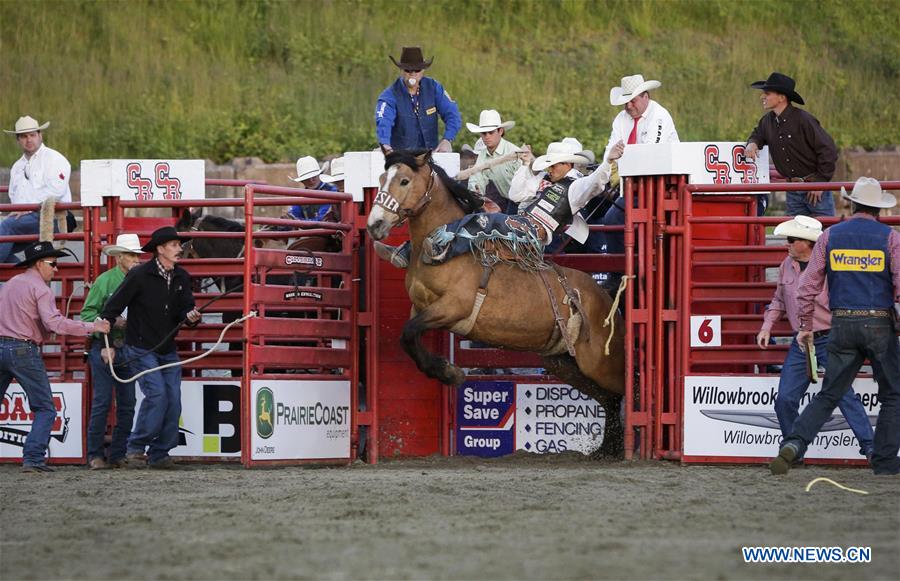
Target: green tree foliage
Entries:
(279, 79)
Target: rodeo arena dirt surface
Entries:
(521, 517)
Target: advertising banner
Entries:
(300, 420)
(735, 417)
(495, 418)
(16, 418)
(142, 179)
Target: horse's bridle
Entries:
(385, 200)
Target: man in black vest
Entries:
(406, 114)
(861, 259)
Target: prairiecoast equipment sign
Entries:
(300, 420)
(16, 419)
(142, 179)
(735, 417)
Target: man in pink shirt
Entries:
(29, 317)
(802, 233)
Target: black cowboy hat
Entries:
(161, 236)
(411, 59)
(38, 250)
(779, 83)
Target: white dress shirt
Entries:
(47, 173)
(655, 126)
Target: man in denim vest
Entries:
(861, 260)
(406, 114)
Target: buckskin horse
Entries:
(516, 311)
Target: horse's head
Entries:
(406, 188)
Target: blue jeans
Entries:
(156, 430)
(28, 224)
(796, 205)
(104, 383)
(793, 385)
(853, 340)
(21, 360)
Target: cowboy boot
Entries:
(434, 252)
(393, 254)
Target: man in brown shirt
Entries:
(800, 148)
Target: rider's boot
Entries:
(393, 254)
(432, 252)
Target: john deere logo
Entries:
(265, 403)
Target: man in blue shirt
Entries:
(406, 115)
(308, 172)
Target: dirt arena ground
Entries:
(522, 517)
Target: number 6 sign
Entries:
(706, 331)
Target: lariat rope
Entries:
(610, 320)
(830, 481)
(175, 363)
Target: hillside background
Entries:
(280, 79)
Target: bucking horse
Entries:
(503, 305)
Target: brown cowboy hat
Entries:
(411, 59)
(161, 236)
(780, 83)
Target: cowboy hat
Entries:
(161, 236)
(27, 124)
(489, 120)
(631, 87)
(336, 171)
(125, 244)
(779, 83)
(800, 227)
(411, 59)
(867, 192)
(559, 152)
(37, 250)
(307, 167)
(576, 146)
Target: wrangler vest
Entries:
(415, 129)
(551, 207)
(858, 265)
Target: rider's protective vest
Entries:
(858, 265)
(415, 128)
(551, 206)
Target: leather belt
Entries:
(21, 340)
(820, 334)
(860, 313)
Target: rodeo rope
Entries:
(610, 320)
(830, 481)
(167, 365)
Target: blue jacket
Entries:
(316, 213)
(858, 264)
(399, 125)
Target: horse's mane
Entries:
(221, 224)
(468, 200)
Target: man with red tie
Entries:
(642, 120)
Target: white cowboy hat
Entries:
(800, 227)
(335, 171)
(27, 124)
(560, 152)
(867, 191)
(488, 121)
(307, 167)
(631, 87)
(125, 244)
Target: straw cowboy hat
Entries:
(307, 167)
(125, 244)
(27, 124)
(779, 83)
(867, 192)
(411, 59)
(37, 250)
(559, 152)
(161, 236)
(489, 120)
(800, 227)
(335, 171)
(631, 87)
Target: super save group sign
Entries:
(735, 417)
(494, 418)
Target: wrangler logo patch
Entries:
(857, 260)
